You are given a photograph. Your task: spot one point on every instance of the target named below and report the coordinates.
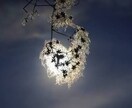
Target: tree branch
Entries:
(27, 5)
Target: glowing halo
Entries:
(65, 64)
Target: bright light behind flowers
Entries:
(65, 64)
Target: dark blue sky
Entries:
(107, 81)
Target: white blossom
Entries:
(30, 17)
(66, 64)
(64, 4)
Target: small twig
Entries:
(38, 4)
(42, 5)
(27, 5)
(76, 4)
(35, 5)
(52, 22)
(61, 33)
(49, 3)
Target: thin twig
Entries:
(35, 5)
(76, 4)
(27, 5)
(49, 3)
(42, 5)
(39, 4)
(61, 33)
(52, 24)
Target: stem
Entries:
(52, 23)
(35, 5)
(42, 5)
(49, 3)
(27, 5)
(61, 33)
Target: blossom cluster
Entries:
(64, 4)
(65, 64)
(61, 18)
(29, 17)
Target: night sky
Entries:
(107, 81)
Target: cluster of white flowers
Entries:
(60, 17)
(29, 17)
(64, 4)
(65, 64)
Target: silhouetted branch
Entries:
(27, 5)
(61, 33)
(35, 4)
